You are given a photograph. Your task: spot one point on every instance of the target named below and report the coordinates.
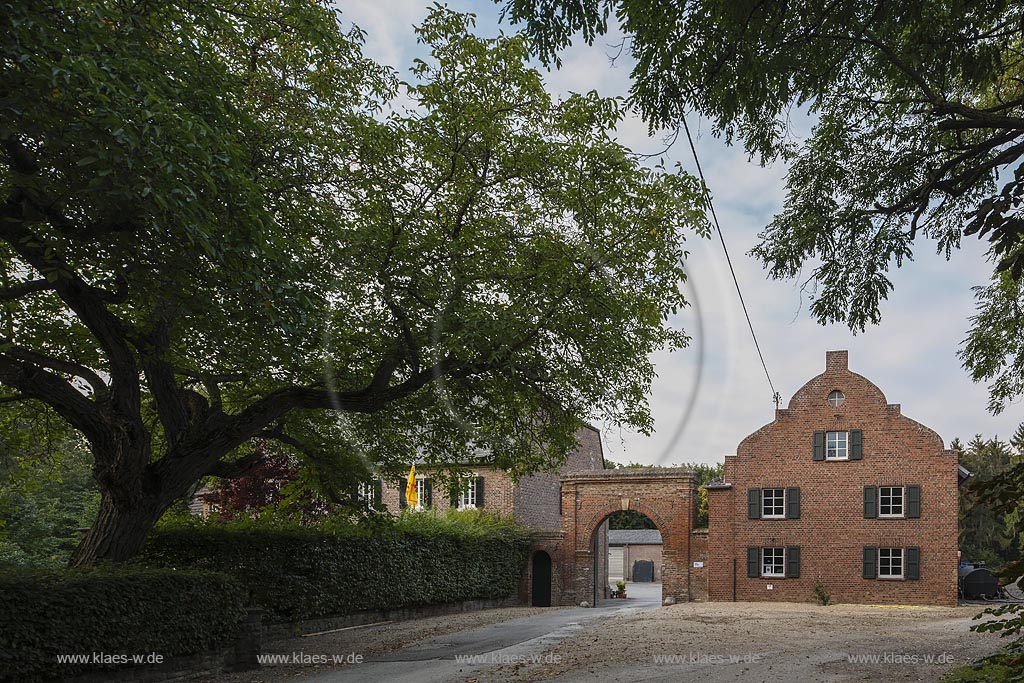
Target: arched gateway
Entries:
(668, 496)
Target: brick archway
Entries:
(668, 496)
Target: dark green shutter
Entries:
(870, 502)
(753, 559)
(793, 502)
(912, 562)
(819, 445)
(378, 491)
(479, 492)
(428, 493)
(856, 444)
(870, 562)
(455, 493)
(402, 504)
(793, 562)
(912, 504)
(753, 503)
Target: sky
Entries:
(709, 396)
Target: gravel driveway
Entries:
(765, 642)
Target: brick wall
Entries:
(832, 531)
(699, 555)
(536, 497)
(497, 491)
(666, 495)
(637, 552)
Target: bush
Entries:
(821, 593)
(119, 611)
(297, 572)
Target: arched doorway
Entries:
(665, 496)
(541, 572)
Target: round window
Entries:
(836, 398)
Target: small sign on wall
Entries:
(698, 565)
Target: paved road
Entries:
(520, 640)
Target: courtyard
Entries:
(636, 640)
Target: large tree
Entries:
(918, 118)
(218, 224)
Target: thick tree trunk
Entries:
(118, 532)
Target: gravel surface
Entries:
(367, 641)
(764, 642)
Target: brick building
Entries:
(840, 488)
(534, 500)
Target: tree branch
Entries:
(21, 289)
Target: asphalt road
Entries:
(463, 653)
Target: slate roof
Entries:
(634, 537)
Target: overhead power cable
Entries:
(735, 280)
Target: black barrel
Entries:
(977, 583)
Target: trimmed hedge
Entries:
(115, 611)
(299, 573)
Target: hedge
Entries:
(116, 611)
(296, 572)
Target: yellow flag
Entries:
(411, 498)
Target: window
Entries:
(835, 445)
(773, 562)
(421, 494)
(773, 503)
(836, 398)
(890, 501)
(890, 563)
(365, 492)
(467, 496)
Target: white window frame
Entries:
(365, 492)
(778, 496)
(778, 563)
(467, 494)
(839, 398)
(421, 493)
(893, 554)
(889, 500)
(831, 448)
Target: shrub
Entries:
(119, 611)
(297, 572)
(821, 593)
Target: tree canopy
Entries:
(221, 223)
(918, 119)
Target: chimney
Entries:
(837, 361)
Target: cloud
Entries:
(911, 355)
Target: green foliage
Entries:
(821, 594)
(47, 492)
(205, 205)
(984, 534)
(917, 112)
(128, 611)
(630, 519)
(994, 499)
(297, 572)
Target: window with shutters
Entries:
(890, 563)
(890, 501)
(467, 495)
(773, 503)
(773, 562)
(836, 445)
